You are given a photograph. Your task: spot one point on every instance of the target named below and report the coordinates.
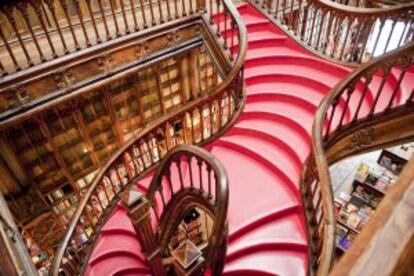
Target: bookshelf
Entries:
(369, 186)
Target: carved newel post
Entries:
(139, 213)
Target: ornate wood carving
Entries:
(362, 138)
(83, 70)
(64, 78)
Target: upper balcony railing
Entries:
(342, 32)
(197, 122)
(36, 31)
(379, 88)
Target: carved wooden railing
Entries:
(375, 90)
(198, 122)
(341, 32)
(202, 182)
(33, 32)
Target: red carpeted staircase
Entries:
(263, 155)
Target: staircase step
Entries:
(250, 179)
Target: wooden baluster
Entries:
(296, 30)
(81, 20)
(51, 7)
(108, 36)
(394, 21)
(318, 41)
(23, 8)
(152, 13)
(37, 6)
(337, 37)
(219, 114)
(331, 117)
(176, 9)
(106, 194)
(346, 39)
(366, 87)
(99, 201)
(127, 31)
(184, 9)
(396, 88)
(225, 28)
(234, 28)
(158, 149)
(304, 21)
(69, 20)
(355, 51)
(200, 173)
(9, 50)
(134, 15)
(211, 111)
(190, 168)
(190, 6)
(291, 15)
(8, 11)
(384, 78)
(169, 17)
(192, 128)
(157, 215)
(168, 176)
(180, 174)
(350, 91)
(407, 25)
(160, 11)
(365, 42)
(328, 33)
(92, 16)
(314, 18)
(160, 190)
(277, 8)
(378, 36)
(144, 17)
(209, 181)
(111, 6)
(283, 11)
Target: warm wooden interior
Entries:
(95, 95)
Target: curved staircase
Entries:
(263, 155)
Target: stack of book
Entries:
(354, 209)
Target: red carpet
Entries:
(263, 155)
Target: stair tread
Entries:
(260, 181)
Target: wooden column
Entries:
(12, 161)
(194, 77)
(139, 213)
(112, 115)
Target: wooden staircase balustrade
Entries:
(197, 122)
(340, 130)
(342, 32)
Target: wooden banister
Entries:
(330, 125)
(143, 153)
(217, 196)
(340, 32)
